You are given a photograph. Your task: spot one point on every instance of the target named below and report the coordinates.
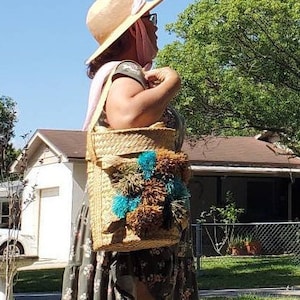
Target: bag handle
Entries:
(101, 102)
(90, 151)
(104, 93)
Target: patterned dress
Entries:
(168, 272)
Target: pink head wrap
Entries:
(145, 51)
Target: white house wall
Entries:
(43, 156)
(44, 176)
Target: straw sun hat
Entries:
(107, 20)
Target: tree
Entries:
(223, 220)
(239, 61)
(13, 183)
(8, 119)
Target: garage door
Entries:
(50, 229)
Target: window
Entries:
(267, 200)
(4, 214)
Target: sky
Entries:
(43, 47)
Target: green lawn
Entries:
(216, 273)
(251, 297)
(248, 272)
(38, 281)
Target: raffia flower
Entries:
(154, 192)
(145, 219)
(130, 185)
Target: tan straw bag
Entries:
(108, 152)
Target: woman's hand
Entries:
(157, 76)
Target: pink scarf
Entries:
(145, 49)
(146, 52)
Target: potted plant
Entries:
(236, 246)
(253, 246)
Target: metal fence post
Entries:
(198, 237)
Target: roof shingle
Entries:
(209, 151)
(239, 151)
(72, 143)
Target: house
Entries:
(55, 183)
(7, 189)
(263, 178)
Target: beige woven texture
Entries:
(108, 232)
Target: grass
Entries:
(49, 280)
(252, 297)
(217, 273)
(248, 272)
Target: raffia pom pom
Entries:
(130, 185)
(186, 174)
(146, 162)
(124, 170)
(180, 213)
(122, 204)
(154, 192)
(171, 163)
(145, 219)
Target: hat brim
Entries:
(122, 28)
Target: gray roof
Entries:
(70, 142)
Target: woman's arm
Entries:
(129, 105)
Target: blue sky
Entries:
(44, 44)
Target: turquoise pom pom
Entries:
(133, 203)
(147, 162)
(120, 206)
(177, 189)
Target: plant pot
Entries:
(253, 248)
(237, 251)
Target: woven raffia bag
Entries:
(116, 162)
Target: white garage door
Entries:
(50, 229)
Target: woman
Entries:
(138, 97)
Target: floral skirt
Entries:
(168, 272)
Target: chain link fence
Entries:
(276, 238)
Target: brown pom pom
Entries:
(171, 163)
(186, 174)
(154, 192)
(165, 167)
(145, 219)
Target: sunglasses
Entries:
(152, 18)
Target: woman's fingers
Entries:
(156, 76)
